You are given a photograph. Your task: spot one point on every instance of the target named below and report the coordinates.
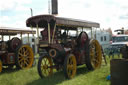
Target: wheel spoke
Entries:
(97, 61)
(42, 63)
(26, 52)
(22, 64)
(22, 50)
(22, 59)
(20, 54)
(25, 62)
(47, 73)
(45, 61)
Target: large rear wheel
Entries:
(45, 66)
(0, 66)
(95, 59)
(24, 57)
(95, 54)
(70, 66)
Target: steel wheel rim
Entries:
(46, 68)
(71, 66)
(95, 54)
(25, 56)
(0, 66)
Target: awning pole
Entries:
(82, 29)
(9, 37)
(28, 37)
(48, 33)
(21, 36)
(77, 32)
(37, 32)
(54, 32)
(91, 34)
(95, 33)
(2, 37)
(32, 31)
(34, 40)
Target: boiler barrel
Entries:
(119, 72)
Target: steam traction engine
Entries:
(66, 45)
(12, 51)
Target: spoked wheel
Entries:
(95, 54)
(24, 57)
(45, 66)
(70, 66)
(0, 66)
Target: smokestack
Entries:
(54, 7)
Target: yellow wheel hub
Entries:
(46, 66)
(25, 56)
(71, 66)
(95, 54)
(0, 66)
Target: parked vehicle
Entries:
(12, 51)
(118, 44)
(65, 46)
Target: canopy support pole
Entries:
(54, 32)
(95, 33)
(34, 41)
(37, 32)
(21, 36)
(2, 37)
(9, 37)
(28, 37)
(91, 34)
(49, 33)
(77, 32)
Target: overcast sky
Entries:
(109, 13)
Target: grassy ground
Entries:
(31, 77)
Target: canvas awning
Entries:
(14, 31)
(42, 20)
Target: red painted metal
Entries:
(8, 58)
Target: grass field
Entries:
(31, 77)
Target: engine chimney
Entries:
(54, 7)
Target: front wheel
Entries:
(45, 66)
(70, 66)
